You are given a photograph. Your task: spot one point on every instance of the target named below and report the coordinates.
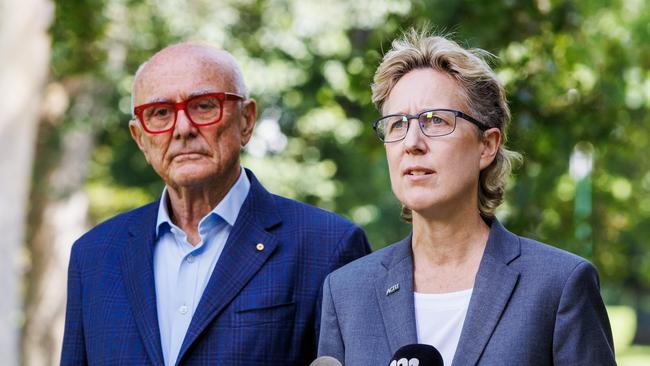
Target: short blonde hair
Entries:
(485, 98)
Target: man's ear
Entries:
(490, 142)
(247, 120)
(136, 133)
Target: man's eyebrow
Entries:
(191, 95)
(159, 100)
(201, 92)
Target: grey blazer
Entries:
(532, 304)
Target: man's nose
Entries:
(183, 126)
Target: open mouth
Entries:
(418, 171)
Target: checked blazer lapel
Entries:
(137, 270)
(494, 285)
(239, 261)
(395, 296)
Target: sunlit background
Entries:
(577, 75)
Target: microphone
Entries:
(417, 355)
(326, 361)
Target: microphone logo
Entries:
(417, 355)
(405, 362)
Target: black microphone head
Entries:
(325, 361)
(417, 355)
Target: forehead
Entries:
(177, 73)
(424, 88)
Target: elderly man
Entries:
(218, 271)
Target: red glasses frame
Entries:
(181, 106)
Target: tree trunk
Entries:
(25, 50)
(58, 217)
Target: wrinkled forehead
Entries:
(176, 72)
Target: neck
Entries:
(445, 241)
(190, 204)
(447, 250)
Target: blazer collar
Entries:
(502, 246)
(394, 292)
(137, 269)
(493, 287)
(240, 260)
(397, 253)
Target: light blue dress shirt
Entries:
(182, 271)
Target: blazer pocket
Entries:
(261, 310)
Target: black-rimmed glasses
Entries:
(432, 122)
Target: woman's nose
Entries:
(414, 141)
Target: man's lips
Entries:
(187, 155)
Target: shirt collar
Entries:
(228, 209)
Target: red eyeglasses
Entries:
(201, 110)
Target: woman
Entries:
(460, 282)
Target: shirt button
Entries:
(190, 259)
(183, 309)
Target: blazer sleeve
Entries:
(74, 347)
(582, 334)
(353, 245)
(330, 342)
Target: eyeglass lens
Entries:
(200, 110)
(432, 123)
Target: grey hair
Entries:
(484, 95)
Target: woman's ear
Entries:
(491, 142)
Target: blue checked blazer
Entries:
(532, 304)
(259, 307)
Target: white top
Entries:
(439, 320)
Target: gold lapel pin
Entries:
(259, 247)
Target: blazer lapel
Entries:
(239, 261)
(395, 296)
(495, 282)
(137, 270)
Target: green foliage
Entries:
(576, 73)
(77, 27)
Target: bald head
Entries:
(186, 57)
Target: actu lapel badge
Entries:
(392, 289)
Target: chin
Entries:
(421, 207)
(190, 177)
(420, 197)
(428, 201)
